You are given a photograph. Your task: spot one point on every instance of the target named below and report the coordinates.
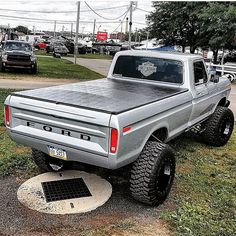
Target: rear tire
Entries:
(46, 163)
(152, 174)
(219, 127)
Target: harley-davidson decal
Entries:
(147, 68)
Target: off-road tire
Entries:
(219, 127)
(152, 174)
(2, 68)
(42, 160)
(34, 70)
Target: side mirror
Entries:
(214, 79)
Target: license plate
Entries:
(57, 152)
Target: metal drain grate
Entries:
(65, 189)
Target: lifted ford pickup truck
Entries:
(147, 99)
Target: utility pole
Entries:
(71, 30)
(130, 22)
(136, 34)
(121, 29)
(83, 32)
(94, 25)
(126, 24)
(77, 32)
(147, 40)
(55, 26)
(63, 28)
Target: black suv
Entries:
(17, 54)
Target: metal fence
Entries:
(226, 70)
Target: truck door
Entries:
(202, 101)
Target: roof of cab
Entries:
(166, 55)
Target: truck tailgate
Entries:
(104, 95)
(73, 127)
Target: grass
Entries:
(56, 68)
(14, 158)
(87, 56)
(204, 193)
(204, 190)
(96, 56)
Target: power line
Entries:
(143, 10)
(103, 16)
(121, 22)
(53, 12)
(139, 23)
(52, 21)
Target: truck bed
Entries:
(105, 95)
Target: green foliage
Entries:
(61, 68)
(204, 189)
(50, 67)
(22, 29)
(194, 24)
(86, 56)
(16, 163)
(219, 21)
(13, 157)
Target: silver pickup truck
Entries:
(147, 99)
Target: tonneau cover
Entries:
(105, 95)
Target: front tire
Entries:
(34, 69)
(219, 127)
(46, 163)
(152, 174)
(2, 68)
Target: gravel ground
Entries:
(15, 219)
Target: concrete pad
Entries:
(32, 196)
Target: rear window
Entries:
(149, 68)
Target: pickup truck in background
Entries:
(147, 99)
(17, 55)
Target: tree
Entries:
(219, 23)
(177, 23)
(22, 29)
(195, 24)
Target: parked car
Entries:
(147, 99)
(71, 46)
(40, 44)
(230, 57)
(57, 48)
(17, 54)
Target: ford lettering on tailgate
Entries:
(58, 130)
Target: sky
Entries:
(51, 9)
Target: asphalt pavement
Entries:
(98, 65)
(31, 84)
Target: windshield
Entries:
(149, 68)
(17, 46)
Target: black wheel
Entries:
(2, 68)
(152, 174)
(46, 163)
(34, 69)
(219, 127)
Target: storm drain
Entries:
(65, 189)
(66, 192)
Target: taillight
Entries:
(7, 115)
(113, 140)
